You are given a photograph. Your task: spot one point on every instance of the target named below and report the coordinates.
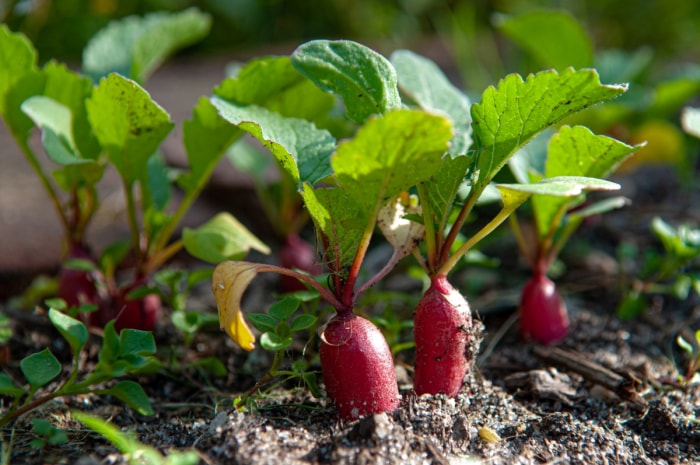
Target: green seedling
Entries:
(46, 434)
(104, 118)
(573, 151)
(411, 136)
(692, 349)
(128, 353)
(134, 451)
(487, 135)
(671, 271)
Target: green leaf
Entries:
(17, 57)
(443, 186)
(284, 308)
(136, 342)
(690, 120)
(262, 322)
(128, 123)
(109, 352)
(8, 387)
(389, 155)
(49, 114)
(206, 138)
(576, 151)
(339, 220)
(302, 322)
(221, 238)
(40, 368)
(302, 150)
(133, 395)
(511, 114)
(72, 330)
(112, 255)
(562, 186)
(633, 305)
(426, 85)
(553, 38)
(122, 441)
(157, 186)
(271, 341)
(363, 78)
(685, 345)
(273, 82)
(135, 46)
(683, 242)
(598, 208)
(669, 96)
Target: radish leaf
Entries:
(221, 238)
(17, 57)
(363, 78)
(128, 123)
(135, 46)
(302, 149)
(389, 155)
(425, 83)
(511, 114)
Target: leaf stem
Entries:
(53, 196)
(325, 293)
(133, 222)
(431, 238)
(348, 295)
(452, 260)
(457, 225)
(520, 239)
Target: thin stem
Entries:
(53, 196)
(452, 260)
(133, 222)
(459, 222)
(325, 293)
(162, 256)
(430, 235)
(520, 239)
(28, 407)
(348, 294)
(395, 258)
(271, 373)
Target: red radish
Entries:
(296, 253)
(358, 369)
(443, 335)
(77, 287)
(542, 311)
(139, 313)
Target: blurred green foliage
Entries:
(61, 28)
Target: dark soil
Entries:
(518, 406)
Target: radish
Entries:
(358, 369)
(137, 313)
(76, 286)
(298, 254)
(443, 335)
(542, 312)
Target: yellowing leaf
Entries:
(229, 282)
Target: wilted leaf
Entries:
(403, 234)
(229, 282)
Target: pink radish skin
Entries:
(543, 315)
(141, 313)
(77, 287)
(357, 366)
(443, 332)
(296, 253)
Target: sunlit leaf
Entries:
(221, 238)
(72, 330)
(389, 155)
(17, 57)
(512, 113)
(299, 146)
(366, 80)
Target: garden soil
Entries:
(608, 394)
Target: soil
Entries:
(608, 394)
